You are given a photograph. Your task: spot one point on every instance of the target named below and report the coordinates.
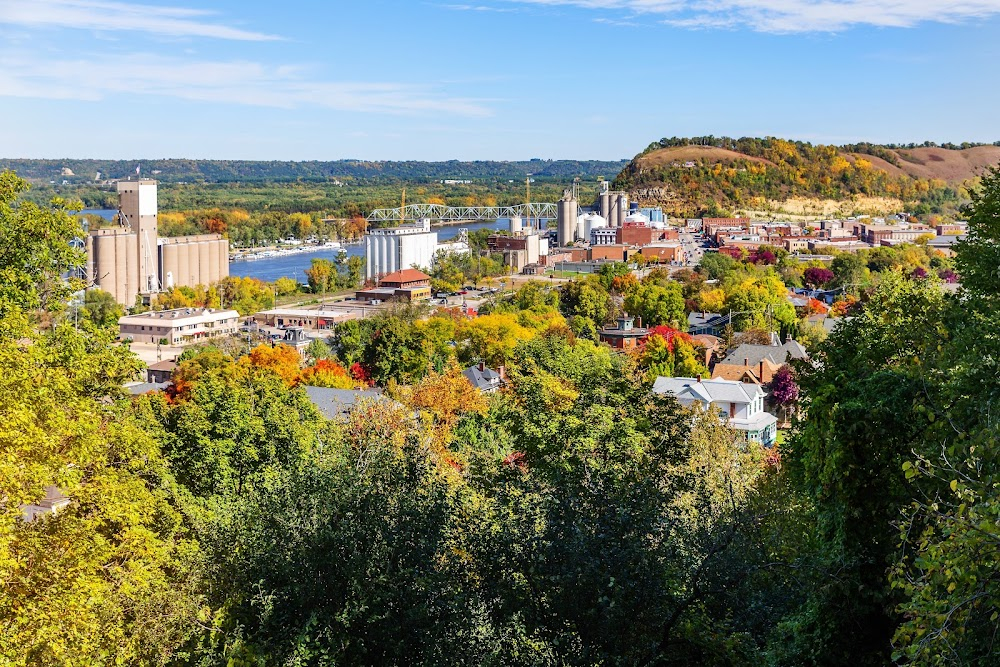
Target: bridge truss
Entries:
(462, 213)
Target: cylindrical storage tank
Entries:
(516, 225)
(605, 205)
(580, 226)
(213, 261)
(223, 259)
(592, 222)
(183, 276)
(566, 221)
(203, 260)
(105, 265)
(169, 265)
(124, 290)
(132, 265)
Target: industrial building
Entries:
(613, 204)
(132, 260)
(397, 248)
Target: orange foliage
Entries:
(447, 396)
(326, 373)
(282, 359)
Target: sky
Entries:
(488, 80)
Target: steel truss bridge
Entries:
(461, 213)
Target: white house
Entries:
(739, 402)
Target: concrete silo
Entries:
(567, 211)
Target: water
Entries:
(106, 213)
(294, 266)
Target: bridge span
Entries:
(452, 214)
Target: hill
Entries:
(720, 175)
(78, 171)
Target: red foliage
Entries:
(361, 374)
(772, 457)
(763, 256)
(669, 334)
(816, 276)
(516, 460)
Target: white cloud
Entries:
(790, 16)
(119, 16)
(236, 82)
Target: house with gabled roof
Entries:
(739, 403)
(751, 355)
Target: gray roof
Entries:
(338, 403)
(140, 388)
(778, 354)
(697, 319)
(707, 391)
(483, 380)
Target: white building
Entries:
(742, 404)
(179, 326)
(398, 248)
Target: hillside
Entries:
(716, 175)
(76, 171)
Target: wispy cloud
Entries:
(236, 82)
(791, 16)
(119, 16)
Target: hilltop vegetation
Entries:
(720, 175)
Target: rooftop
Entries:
(179, 314)
(405, 276)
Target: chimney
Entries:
(699, 377)
(746, 362)
(482, 366)
(502, 372)
(761, 376)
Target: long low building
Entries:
(179, 326)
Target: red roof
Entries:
(405, 276)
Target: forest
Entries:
(572, 517)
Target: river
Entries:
(293, 266)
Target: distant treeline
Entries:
(249, 171)
(748, 144)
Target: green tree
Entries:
(35, 250)
(321, 274)
(587, 298)
(657, 304)
(101, 308)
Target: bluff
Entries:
(721, 175)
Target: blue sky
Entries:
(491, 79)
